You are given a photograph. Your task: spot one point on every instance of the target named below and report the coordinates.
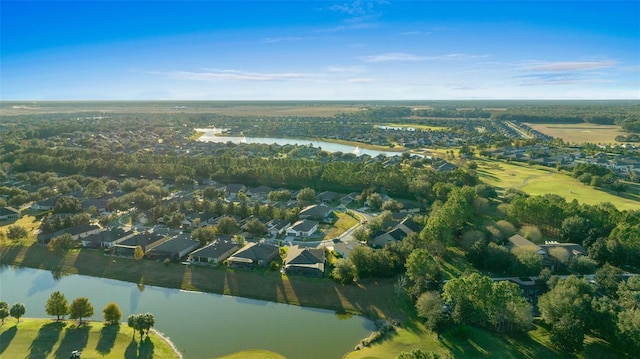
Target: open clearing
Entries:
(46, 338)
(580, 133)
(537, 180)
(241, 108)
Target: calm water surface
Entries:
(201, 325)
(210, 136)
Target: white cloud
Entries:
(235, 75)
(562, 66)
(346, 69)
(401, 56)
(361, 80)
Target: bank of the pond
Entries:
(371, 298)
(46, 338)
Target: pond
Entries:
(210, 136)
(201, 325)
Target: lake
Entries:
(210, 135)
(201, 325)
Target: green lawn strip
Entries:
(364, 145)
(253, 353)
(343, 223)
(46, 338)
(470, 342)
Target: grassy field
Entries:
(343, 223)
(468, 342)
(232, 108)
(251, 354)
(364, 145)
(45, 338)
(580, 133)
(27, 221)
(538, 180)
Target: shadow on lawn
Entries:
(6, 337)
(107, 339)
(142, 350)
(74, 339)
(47, 337)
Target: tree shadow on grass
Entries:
(45, 340)
(107, 339)
(6, 337)
(74, 339)
(142, 350)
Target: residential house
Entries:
(145, 240)
(327, 196)
(213, 253)
(9, 213)
(304, 261)
(259, 193)
(276, 227)
(519, 242)
(76, 232)
(348, 199)
(318, 212)
(253, 254)
(399, 232)
(303, 228)
(446, 167)
(231, 190)
(45, 205)
(106, 238)
(174, 248)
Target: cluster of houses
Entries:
(623, 166)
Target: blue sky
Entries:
(319, 50)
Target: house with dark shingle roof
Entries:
(277, 226)
(214, 252)
(174, 248)
(318, 212)
(304, 261)
(303, 228)
(327, 196)
(106, 238)
(9, 213)
(253, 254)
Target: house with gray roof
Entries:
(519, 242)
(173, 248)
(318, 212)
(276, 227)
(304, 261)
(253, 254)
(303, 228)
(214, 253)
(106, 238)
(9, 213)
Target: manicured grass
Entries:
(537, 180)
(27, 221)
(45, 338)
(253, 353)
(581, 132)
(343, 223)
(469, 342)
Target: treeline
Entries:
(401, 181)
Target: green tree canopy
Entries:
(57, 305)
(80, 308)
